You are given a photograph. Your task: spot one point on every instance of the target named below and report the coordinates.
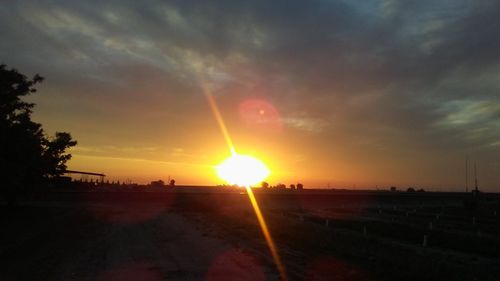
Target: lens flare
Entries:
(242, 170)
(246, 181)
(261, 115)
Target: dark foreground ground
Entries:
(213, 235)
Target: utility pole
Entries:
(475, 177)
(466, 174)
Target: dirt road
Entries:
(95, 242)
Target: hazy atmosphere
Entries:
(330, 93)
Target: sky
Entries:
(351, 94)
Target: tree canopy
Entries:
(27, 155)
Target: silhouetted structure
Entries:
(466, 174)
(86, 173)
(158, 183)
(476, 187)
(280, 186)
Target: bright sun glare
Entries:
(242, 170)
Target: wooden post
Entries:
(326, 222)
(364, 230)
(424, 243)
(430, 225)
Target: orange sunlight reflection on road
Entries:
(255, 205)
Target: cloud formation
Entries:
(387, 78)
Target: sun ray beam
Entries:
(267, 234)
(260, 218)
(218, 116)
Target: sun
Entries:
(242, 170)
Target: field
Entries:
(213, 234)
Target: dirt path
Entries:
(103, 243)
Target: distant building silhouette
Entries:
(158, 183)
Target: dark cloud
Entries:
(402, 74)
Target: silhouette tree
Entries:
(54, 153)
(27, 156)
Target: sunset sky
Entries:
(341, 93)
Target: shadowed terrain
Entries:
(211, 234)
